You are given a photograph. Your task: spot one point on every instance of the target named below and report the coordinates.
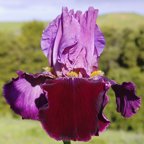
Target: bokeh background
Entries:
(21, 26)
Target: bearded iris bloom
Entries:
(69, 97)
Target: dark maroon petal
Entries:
(74, 110)
(22, 92)
(41, 102)
(127, 101)
(103, 121)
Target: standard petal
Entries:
(77, 47)
(73, 42)
(22, 92)
(49, 37)
(74, 111)
(127, 101)
(99, 41)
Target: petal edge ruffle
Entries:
(21, 94)
(127, 101)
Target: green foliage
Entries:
(122, 60)
(111, 52)
(121, 21)
(129, 52)
(31, 34)
(140, 44)
(129, 55)
(20, 52)
(11, 27)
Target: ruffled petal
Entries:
(49, 39)
(74, 110)
(22, 92)
(99, 41)
(73, 41)
(103, 121)
(127, 101)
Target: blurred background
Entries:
(21, 26)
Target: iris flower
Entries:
(69, 97)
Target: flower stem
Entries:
(66, 142)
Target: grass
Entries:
(11, 26)
(15, 131)
(121, 20)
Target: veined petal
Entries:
(74, 109)
(22, 92)
(127, 101)
(49, 39)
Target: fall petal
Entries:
(74, 110)
(21, 94)
(103, 121)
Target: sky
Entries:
(45, 10)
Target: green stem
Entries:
(66, 142)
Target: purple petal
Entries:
(49, 39)
(22, 92)
(99, 41)
(73, 41)
(75, 107)
(127, 101)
